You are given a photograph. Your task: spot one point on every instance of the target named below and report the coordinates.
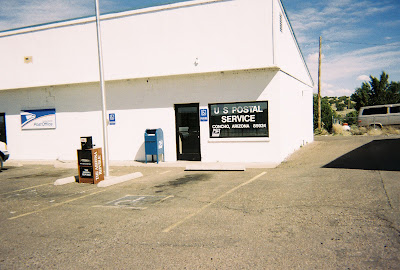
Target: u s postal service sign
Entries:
(38, 119)
(239, 119)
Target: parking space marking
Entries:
(173, 226)
(165, 172)
(138, 202)
(56, 204)
(160, 201)
(26, 188)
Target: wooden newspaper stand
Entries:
(90, 165)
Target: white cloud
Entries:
(337, 19)
(346, 21)
(363, 78)
(344, 11)
(364, 60)
(340, 33)
(328, 89)
(390, 23)
(336, 92)
(313, 58)
(339, 71)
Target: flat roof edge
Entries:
(114, 15)
(272, 68)
(296, 42)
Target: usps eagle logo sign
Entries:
(38, 119)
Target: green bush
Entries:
(326, 113)
(351, 118)
(340, 107)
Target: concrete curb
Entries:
(119, 179)
(71, 164)
(63, 181)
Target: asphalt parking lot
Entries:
(311, 212)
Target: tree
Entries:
(326, 113)
(340, 107)
(362, 96)
(351, 118)
(377, 92)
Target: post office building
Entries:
(224, 80)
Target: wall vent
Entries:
(280, 23)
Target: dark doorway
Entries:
(187, 131)
(3, 137)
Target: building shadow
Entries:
(379, 155)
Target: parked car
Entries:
(379, 115)
(4, 154)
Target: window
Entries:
(395, 109)
(371, 111)
(238, 120)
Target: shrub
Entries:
(374, 132)
(389, 130)
(337, 129)
(355, 130)
(321, 132)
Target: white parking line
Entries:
(160, 201)
(173, 226)
(25, 188)
(56, 204)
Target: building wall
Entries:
(149, 103)
(190, 37)
(287, 54)
(296, 114)
(193, 52)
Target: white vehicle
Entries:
(4, 154)
(379, 115)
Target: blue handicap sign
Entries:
(111, 118)
(203, 115)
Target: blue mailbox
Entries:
(154, 143)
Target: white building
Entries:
(237, 61)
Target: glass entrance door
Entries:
(3, 137)
(187, 131)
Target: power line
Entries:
(397, 44)
(363, 43)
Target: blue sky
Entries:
(360, 37)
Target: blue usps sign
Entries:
(111, 118)
(203, 115)
(38, 119)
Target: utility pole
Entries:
(319, 85)
(103, 90)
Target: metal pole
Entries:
(103, 90)
(319, 85)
